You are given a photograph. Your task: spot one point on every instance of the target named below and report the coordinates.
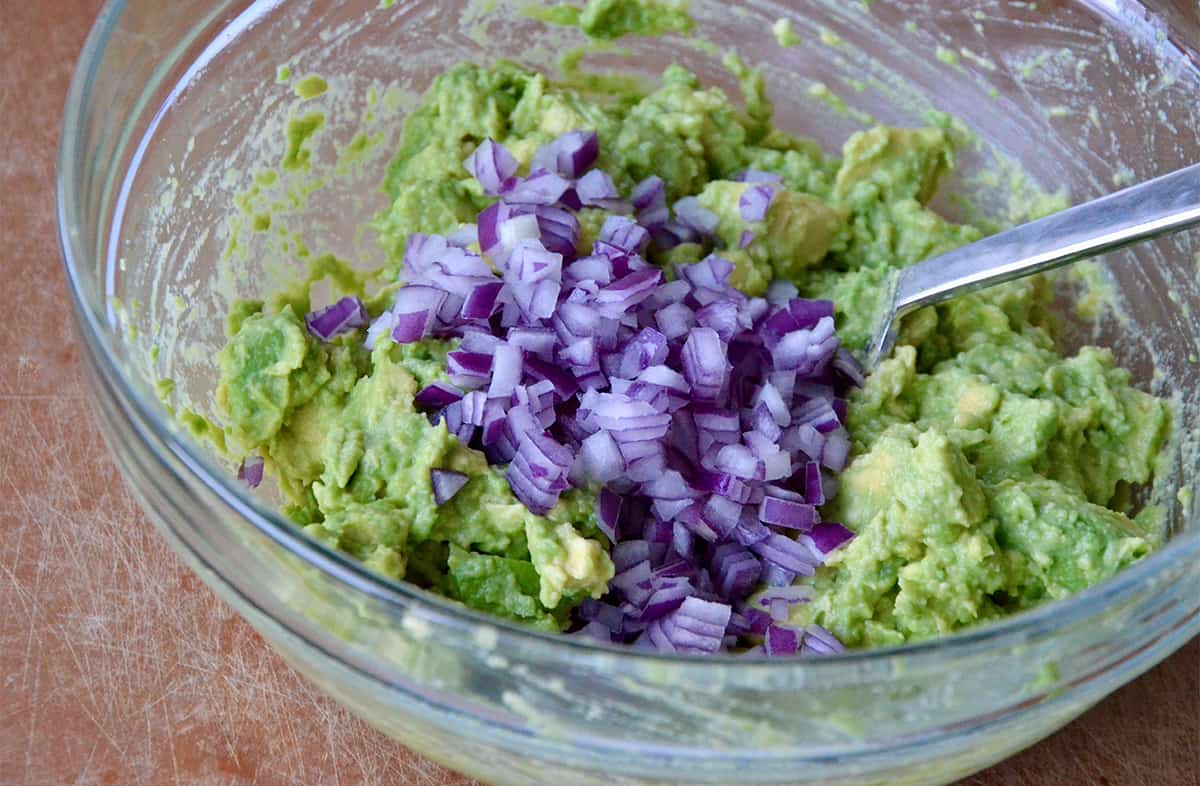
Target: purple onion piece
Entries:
(596, 189)
(782, 642)
(625, 234)
(790, 555)
(697, 626)
(488, 225)
(436, 396)
(251, 471)
(818, 641)
(492, 165)
(754, 203)
(446, 483)
(829, 535)
(569, 155)
(542, 187)
(787, 514)
(649, 194)
(344, 316)
(849, 367)
(692, 215)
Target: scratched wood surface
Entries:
(117, 666)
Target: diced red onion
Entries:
(649, 193)
(791, 555)
(608, 512)
(648, 348)
(629, 553)
(468, 369)
(446, 483)
(383, 325)
(711, 274)
(736, 570)
(560, 230)
(697, 625)
(704, 364)
(795, 315)
(692, 215)
(807, 350)
(506, 369)
(464, 236)
(631, 577)
(829, 535)
(482, 301)
(739, 461)
(775, 576)
(488, 225)
(542, 187)
(512, 230)
(627, 291)
(437, 395)
(251, 471)
(666, 596)
(754, 203)
(721, 514)
(836, 451)
(602, 459)
(570, 155)
(721, 316)
(674, 320)
(786, 513)
(611, 617)
(345, 316)
(596, 189)
(849, 367)
(624, 233)
(492, 165)
(782, 642)
(788, 596)
(781, 291)
(415, 307)
(818, 641)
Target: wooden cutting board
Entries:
(117, 666)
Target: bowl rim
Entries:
(100, 341)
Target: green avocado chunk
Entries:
(608, 19)
(982, 482)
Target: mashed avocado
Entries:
(608, 19)
(990, 473)
(984, 474)
(352, 457)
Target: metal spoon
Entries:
(1157, 207)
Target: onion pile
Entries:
(711, 422)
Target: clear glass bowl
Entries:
(175, 106)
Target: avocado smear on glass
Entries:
(988, 470)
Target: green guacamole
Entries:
(608, 19)
(989, 473)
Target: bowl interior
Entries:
(1076, 99)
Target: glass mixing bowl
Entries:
(174, 109)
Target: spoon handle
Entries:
(1157, 207)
